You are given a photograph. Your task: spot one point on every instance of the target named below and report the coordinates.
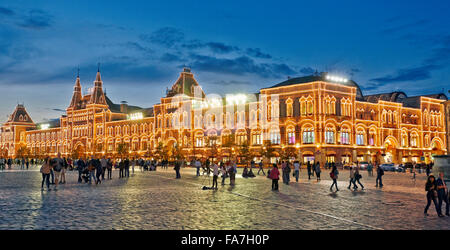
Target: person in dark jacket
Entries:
(177, 169)
(442, 192)
(286, 173)
(127, 167)
(380, 173)
(430, 187)
(98, 171)
(81, 165)
(308, 167)
(334, 176)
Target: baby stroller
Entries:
(85, 175)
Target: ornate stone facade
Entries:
(318, 116)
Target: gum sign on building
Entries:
(318, 117)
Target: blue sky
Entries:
(230, 46)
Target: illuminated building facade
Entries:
(318, 117)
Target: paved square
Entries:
(156, 200)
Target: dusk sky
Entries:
(231, 46)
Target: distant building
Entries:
(317, 117)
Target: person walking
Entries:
(81, 165)
(442, 192)
(233, 171)
(370, 169)
(432, 195)
(91, 169)
(133, 164)
(352, 179)
(275, 176)
(121, 169)
(358, 177)
(286, 173)
(127, 167)
(58, 165)
(27, 162)
(261, 169)
(296, 170)
(215, 170)
(104, 164)
(45, 170)
(109, 166)
(428, 170)
(177, 169)
(63, 171)
(334, 176)
(98, 171)
(224, 173)
(198, 165)
(317, 169)
(309, 168)
(380, 173)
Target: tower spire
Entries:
(97, 96)
(76, 97)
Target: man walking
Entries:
(177, 169)
(198, 165)
(104, 164)
(380, 173)
(58, 166)
(261, 168)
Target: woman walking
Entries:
(334, 176)
(430, 187)
(275, 176)
(286, 173)
(318, 171)
(352, 179)
(45, 170)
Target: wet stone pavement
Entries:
(156, 200)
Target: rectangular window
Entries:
(345, 138)
(291, 138)
(275, 137)
(308, 137)
(360, 139)
(329, 137)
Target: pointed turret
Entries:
(76, 97)
(97, 96)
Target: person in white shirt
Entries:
(296, 170)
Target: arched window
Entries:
(308, 135)
(329, 135)
(291, 135)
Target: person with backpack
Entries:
(334, 176)
(380, 173)
(45, 170)
(431, 189)
(275, 176)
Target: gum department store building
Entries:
(318, 116)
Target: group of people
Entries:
(90, 169)
(437, 191)
(224, 169)
(24, 163)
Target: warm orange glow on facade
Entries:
(312, 115)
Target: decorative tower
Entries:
(76, 97)
(97, 96)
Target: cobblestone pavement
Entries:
(156, 200)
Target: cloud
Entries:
(240, 66)
(408, 74)
(169, 57)
(36, 20)
(256, 52)
(307, 71)
(166, 36)
(6, 11)
(59, 110)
